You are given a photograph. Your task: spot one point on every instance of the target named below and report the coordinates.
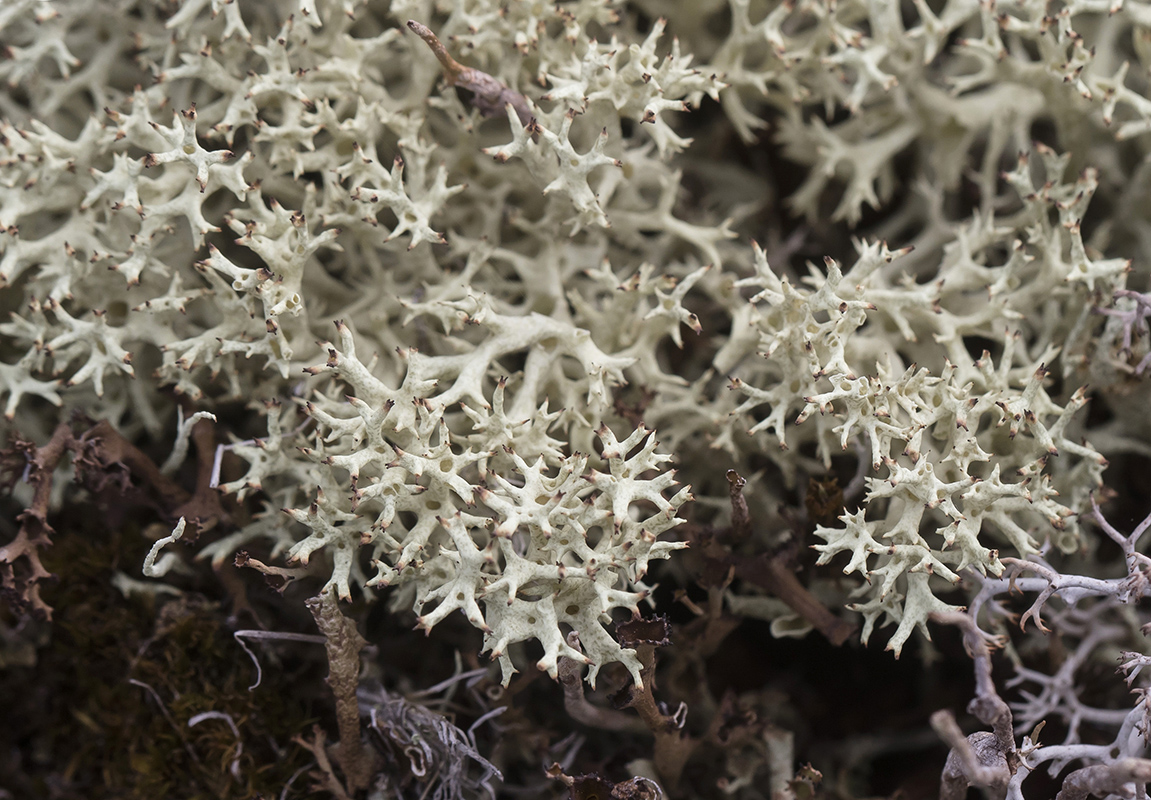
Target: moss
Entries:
(89, 731)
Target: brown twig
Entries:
(106, 456)
(103, 459)
(697, 642)
(278, 578)
(491, 96)
(344, 643)
(672, 746)
(577, 705)
(327, 780)
(774, 574)
(204, 506)
(597, 787)
(104, 449)
(740, 517)
(21, 588)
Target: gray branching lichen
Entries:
(476, 330)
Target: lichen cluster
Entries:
(470, 293)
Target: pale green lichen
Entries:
(514, 283)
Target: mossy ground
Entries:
(80, 722)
